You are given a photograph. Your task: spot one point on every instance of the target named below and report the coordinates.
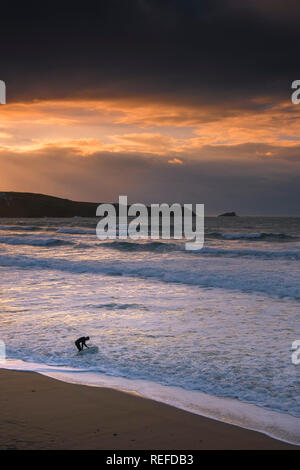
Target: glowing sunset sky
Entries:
(164, 101)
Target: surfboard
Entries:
(90, 350)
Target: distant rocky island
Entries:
(228, 214)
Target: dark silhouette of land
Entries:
(15, 204)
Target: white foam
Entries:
(226, 273)
(277, 425)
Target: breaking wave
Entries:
(158, 247)
(34, 241)
(77, 231)
(252, 236)
(181, 271)
(19, 228)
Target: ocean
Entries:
(209, 331)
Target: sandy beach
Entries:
(38, 412)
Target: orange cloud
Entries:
(175, 161)
(149, 126)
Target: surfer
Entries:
(80, 342)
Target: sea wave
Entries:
(76, 231)
(203, 274)
(19, 228)
(158, 247)
(117, 306)
(259, 236)
(34, 241)
(146, 246)
(286, 254)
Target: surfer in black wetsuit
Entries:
(80, 342)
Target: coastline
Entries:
(40, 412)
(280, 426)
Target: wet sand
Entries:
(38, 412)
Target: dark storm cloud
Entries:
(182, 50)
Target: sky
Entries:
(161, 100)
